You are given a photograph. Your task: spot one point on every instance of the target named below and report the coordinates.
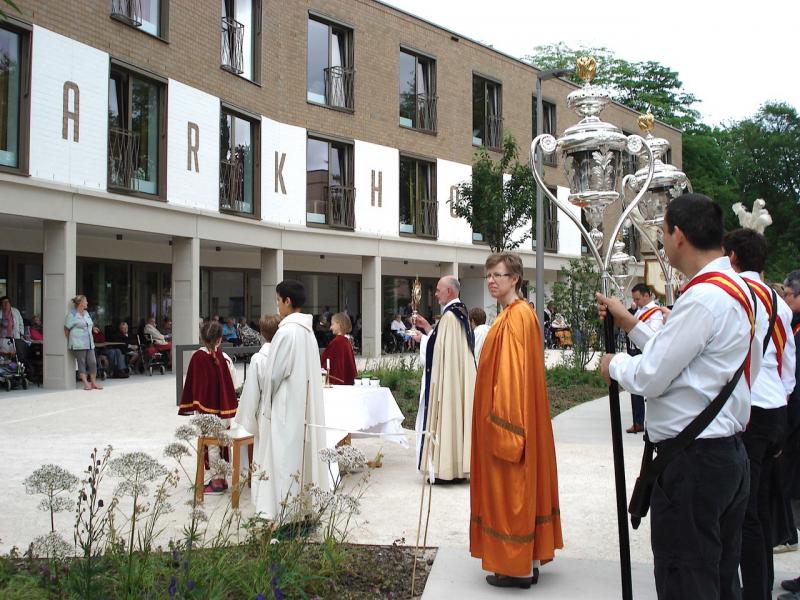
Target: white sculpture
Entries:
(758, 220)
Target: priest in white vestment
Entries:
(448, 384)
(283, 404)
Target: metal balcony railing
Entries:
(232, 58)
(339, 87)
(427, 224)
(341, 209)
(231, 185)
(123, 158)
(494, 131)
(127, 11)
(426, 112)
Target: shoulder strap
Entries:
(698, 424)
(770, 302)
(648, 313)
(796, 329)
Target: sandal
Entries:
(214, 487)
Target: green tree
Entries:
(638, 85)
(495, 207)
(574, 297)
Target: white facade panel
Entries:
(193, 122)
(377, 183)
(448, 176)
(60, 66)
(569, 236)
(283, 173)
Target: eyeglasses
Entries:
(497, 276)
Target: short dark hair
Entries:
(792, 282)
(293, 290)
(477, 315)
(699, 218)
(750, 248)
(642, 288)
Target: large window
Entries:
(13, 100)
(135, 133)
(418, 205)
(148, 15)
(487, 113)
(548, 126)
(241, 37)
(417, 91)
(330, 195)
(330, 64)
(238, 173)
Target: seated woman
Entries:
(116, 359)
(338, 357)
(131, 348)
(36, 329)
(159, 341)
(229, 332)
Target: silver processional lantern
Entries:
(667, 183)
(591, 152)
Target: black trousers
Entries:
(763, 439)
(637, 402)
(697, 507)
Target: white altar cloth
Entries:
(354, 409)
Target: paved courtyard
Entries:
(140, 414)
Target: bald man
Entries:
(448, 383)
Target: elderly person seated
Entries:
(247, 334)
(131, 348)
(37, 334)
(113, 355)
(229, 332)
(160, 342)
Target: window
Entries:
(418, 205)
(487, 113)
(148, 15)
(417, 91)
(136, 133)
(330, 64)
(548, 126)
(667, 160)
(238, 163)
(330, 195)
(241, 38)
(13, 98)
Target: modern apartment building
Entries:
(180, 157)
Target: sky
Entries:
(733, 55)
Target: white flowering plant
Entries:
(52, 481)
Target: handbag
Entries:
(652, 468)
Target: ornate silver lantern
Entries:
(591, 153)
(666, 184)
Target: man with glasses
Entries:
(445, 407)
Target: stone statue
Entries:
(758, 220)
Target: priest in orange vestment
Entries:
(515, 516)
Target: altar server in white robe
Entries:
(288, 377)
(448, 386)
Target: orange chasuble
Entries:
(514, 486)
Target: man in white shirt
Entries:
(763, 438)
(699, 500)
(477, 320)
(647, 312)
(448, 386)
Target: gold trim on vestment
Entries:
(506, 425)
(519, 539)
(213, 411)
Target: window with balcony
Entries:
(417, 91)
(487, 113)
(330, 64)
(550, 223)
(418, 205)
(148, 15)
(238, 172)
(330, 195)
(14, 45)
(136, 133)
(548, 126)
(241, 38)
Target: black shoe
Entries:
(791, 585)
(506, 581)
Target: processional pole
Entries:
(591, 153)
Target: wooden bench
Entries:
(236, 445)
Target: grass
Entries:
(566, 387)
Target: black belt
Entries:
(707, 442)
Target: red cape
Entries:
(343, 362)
(208, 387)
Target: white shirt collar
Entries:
(722, 263)
(301, 319)
(752, 275)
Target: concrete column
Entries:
(371, 306)
(185, 291)
(271, 276)
(60, 241)
(448, 268)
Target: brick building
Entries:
(179, 158)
